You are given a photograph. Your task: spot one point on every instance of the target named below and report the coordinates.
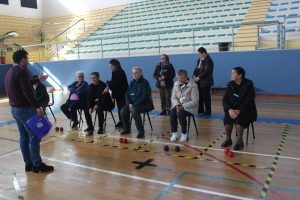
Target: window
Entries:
(29, 3)
(4, 2)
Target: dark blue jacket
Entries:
(139, 93)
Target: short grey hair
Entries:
(137, 68)
(79, 73)
(182, 72)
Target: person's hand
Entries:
(43, 77)
(40, 112)
(162, 78)
(105, 90)
(237, 112)
(179, 108)
(91, 111)
(95, 107)
(196, 79)
(130, 107)
(232, 113)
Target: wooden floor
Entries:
(102, 168)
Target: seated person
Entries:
(185, 97)
(40, 91)
(239, 107)
(94, 96)
(76, 99)
(138, 100)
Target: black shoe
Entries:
(75, 124)
(227, 143)
(90, 132)
(28, 168)
(140, 136)
(88, 129)
(125, 132)
(119, 125)
(163, 113)
(238, 146)
(100, 131)
(42, 168)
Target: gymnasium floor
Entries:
(102, 168)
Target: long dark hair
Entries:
(166, 57)
(116, 63)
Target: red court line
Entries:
(231, 166)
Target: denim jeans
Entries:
(29, 142)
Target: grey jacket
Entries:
(188, 96)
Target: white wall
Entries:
(14, 9)
(52, 8)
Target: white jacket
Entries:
(188, 96)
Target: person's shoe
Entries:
(88, 129)
(174, 137)
(226, 143)
(183, 137)
(163, 113)
(28, 168)
(74, 125)
(238, 146)
(100, 131)
(140, 136)
(89, 132)
(125, 132)
(119, 125)
(42, 168)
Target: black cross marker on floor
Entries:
(143, 164)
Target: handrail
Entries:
(69, 28)
(49, 75)
(158, 32)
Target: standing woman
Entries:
(118, 85)
(164, 74)
(239, 107)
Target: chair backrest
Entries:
(51, 103)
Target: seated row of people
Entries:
(238, 101)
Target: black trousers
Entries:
(165, 98)
(204, 100)
(136, 115)
(89, 120)
(70, 109)
(120, 101)
(181, 117)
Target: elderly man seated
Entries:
(185, 97)
(138, 100)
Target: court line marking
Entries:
(9, 139)
(17, 187)
(147, 179)
(201, 147)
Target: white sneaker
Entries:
(183, 137)
(174, 137)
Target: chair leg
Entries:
(144, 119)
(95, 118)
(149, 121)
(113, 117)
(195, 125)
(253, 130)
(80, 118)
(105, 117)
(189, 123)
(52, 113)
(247, 135)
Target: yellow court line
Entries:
(4, 100)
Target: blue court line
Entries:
(183, 174)
(213, 116)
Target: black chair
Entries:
(144, 119)
(189, 124)
(49, 106)
(79, 111)
(253, 134)
(105, 118)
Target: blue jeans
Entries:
(29, 142)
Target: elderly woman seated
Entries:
(239, 107)
(77, 98)
(185, 97)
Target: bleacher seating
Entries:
(147, 17)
